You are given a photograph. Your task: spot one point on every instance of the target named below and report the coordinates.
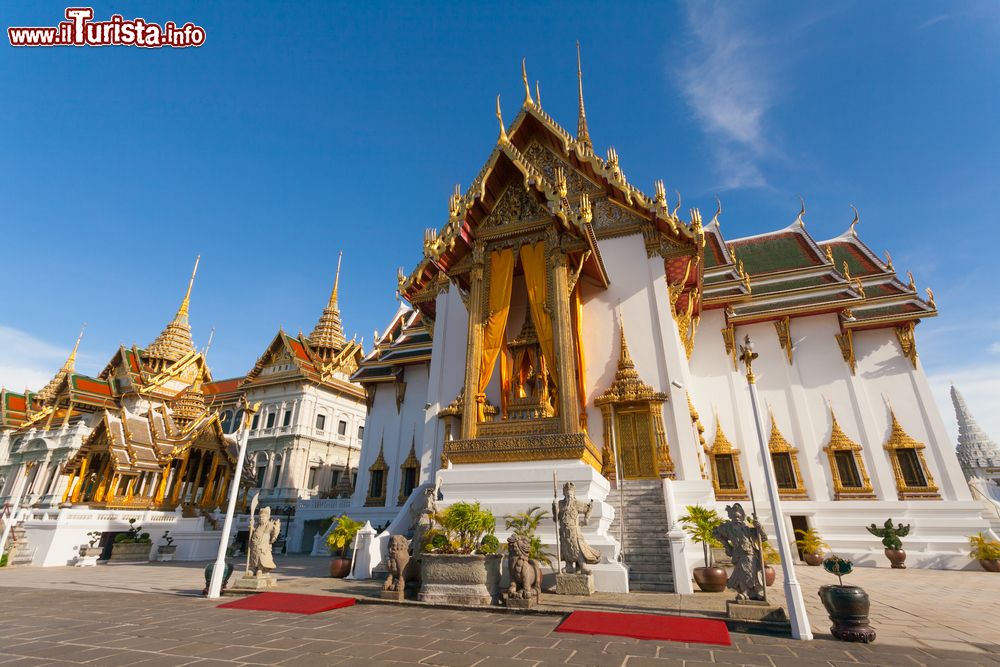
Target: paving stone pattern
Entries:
(51, 627)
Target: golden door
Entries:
(635, 445)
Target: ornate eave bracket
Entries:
(907, 341)
(783, 327)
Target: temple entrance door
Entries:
(635, 445)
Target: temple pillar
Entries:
(562, 332)
(192, 493)
(206, 497)
(175, 492)
(161, 488)
(75, 482)
(223, 490)
(474, 348)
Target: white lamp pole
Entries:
(793, 592)
(16, 492)
(215, 587)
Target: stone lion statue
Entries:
(397, 562)
(525, 573)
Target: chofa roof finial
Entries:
(527, 89)
(503, 130)
(857, 219)
(802, 212)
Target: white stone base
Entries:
(508, 488)
(85, 561)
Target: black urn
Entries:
(848, 609)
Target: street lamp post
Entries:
(215, 587)
(793, 592)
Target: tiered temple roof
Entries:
(407, 340)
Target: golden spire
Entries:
(582, 134)
(503, 130)
(175, 342)
(327, 337)
(527, 89)
(48, 392)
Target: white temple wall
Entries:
(446, 375)
(654, 344)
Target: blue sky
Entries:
(302, 129)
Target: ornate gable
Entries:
(548, 163)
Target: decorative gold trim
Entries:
(845, 341)
(784, 329)
(840, 442)
(700, 432)
(899, 439)
(549, 447)
(778, 445)
(729, 340)
(907, 341)
(722, 445)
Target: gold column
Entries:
(197, 478)
(474, 348)
(70, 486)
(103, 480)
(206, 497)
(161, 489)
(569, 407)
(179, 479)
(223, 490)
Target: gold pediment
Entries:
(548, 162)
(516, 205)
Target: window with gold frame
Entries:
(913, 478)
(847, 466)
(785, 459)
(727, 478)
(409, 474)
(377, 473)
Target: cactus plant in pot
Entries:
(811, 545)
(986, 551)
(699, 522)
(846, 605)
(460, 561)
(339, 539)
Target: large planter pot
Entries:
(165, 552)
(493, 572)
(769, 575)
(711, 579)
(848, 609)
(95, 552)
(340, 567)
(811, 558)
(227, 572)
(896, 557)
(990, 565)
(454, 579)
(130, 552)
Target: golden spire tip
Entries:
(182, 312)
(582, 133)
(527, 89)
(336, 281)
(503, 130)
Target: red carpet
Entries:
(292, 603)
(647, 626)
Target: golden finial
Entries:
(582, 134)
(913, 283)
(527, 89)
(661, 194)
(930, 297)
(454, 201)
(858, 286)
(857, 219)
(71, 359)
(182, 312)
(503, 130)
(718, 210)
(561, 186)
(802, 212)
(586, 212)
(888, 262)
(847, 272)
(336, 282)
(612, 156)
(538, 94)
(673, 213)
(829, 255)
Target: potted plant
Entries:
(771, 557)
(890, 540)
(131, 546)
(92, 550)
(846, 605)
(461, 557)
(339, 539)
(986, 551)
(167, 548)
(524, 524)
(811, 545)
(699, 522)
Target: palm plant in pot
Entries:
(460, 562)
(811, 545)
(986, 551)
(339, 539)
(699, 522)
(525, 524)
(846, 605)
(771, 557)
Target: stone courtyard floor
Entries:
(61, 616)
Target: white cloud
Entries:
(979, 384)
(726, 81)
(994, 348)
(26, 361)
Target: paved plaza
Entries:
(152, 615)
